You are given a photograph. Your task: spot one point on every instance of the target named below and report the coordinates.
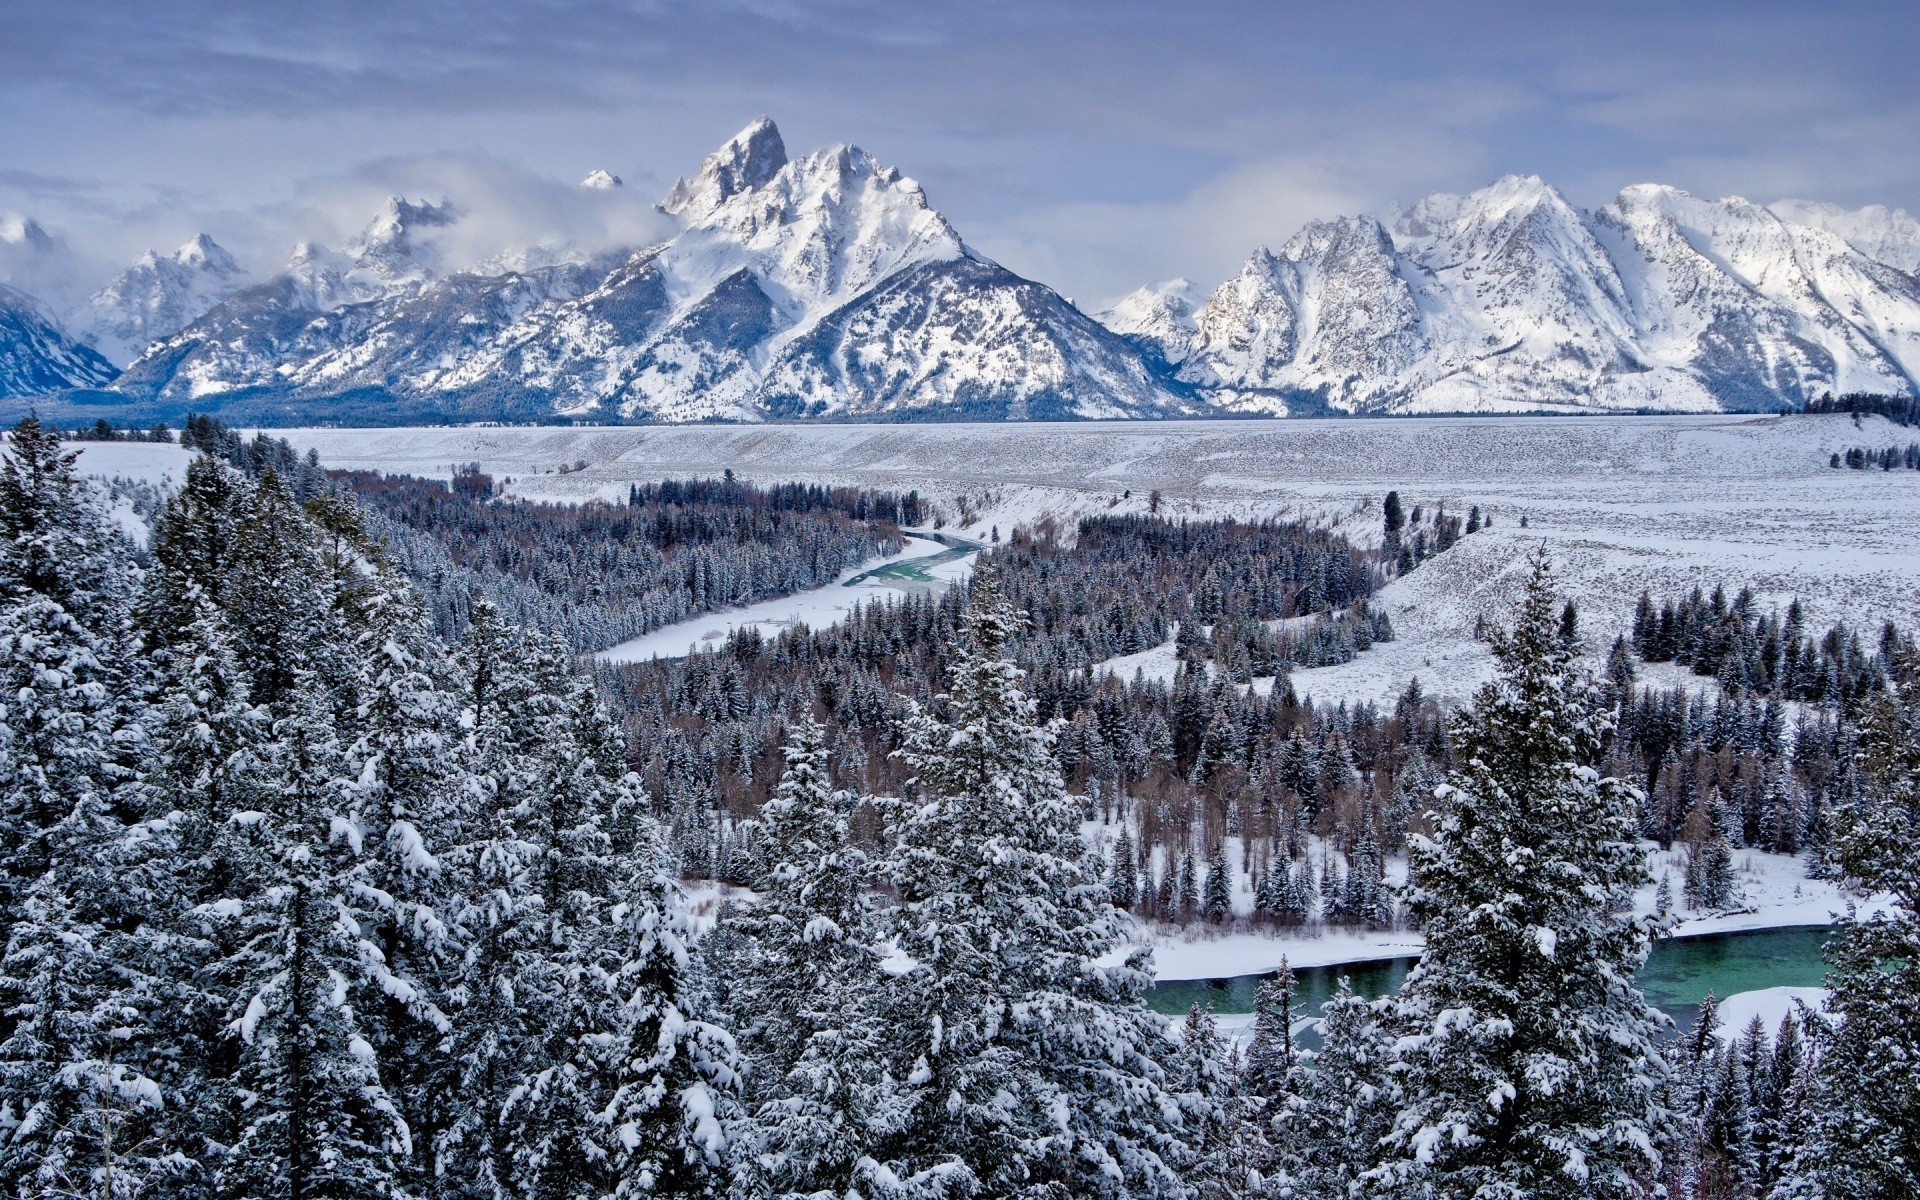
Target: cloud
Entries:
(1093, 145)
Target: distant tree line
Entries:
(596, 573)
(104, 430)
(1901, 410)
(1860, 458)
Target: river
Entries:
(1678, 975)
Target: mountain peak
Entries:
(601, 180)
(746, 161)
(203, 253)
(21, 230)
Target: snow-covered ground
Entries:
(1773, 892)
(1622, 503)
(1769, 1004)
(158, 463)
(817, 607)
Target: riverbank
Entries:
(924, 561)
(1774, 894)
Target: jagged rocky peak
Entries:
(156, 297)
(747, 161)
(21, 230)
(601, 180)
(391, 244)
(202, 253)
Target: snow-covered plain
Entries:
(1621, 503)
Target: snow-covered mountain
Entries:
(36, 357)
(1158, 318)
(156, 298)
(1512, 299)
(819, 285)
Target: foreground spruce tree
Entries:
(1036, 1069)
(1867, 1136)
(1526, 1063)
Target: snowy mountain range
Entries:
(828, 286)
(1512, 299)
(799, 287)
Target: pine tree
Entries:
(1526, 1062)
(1216, 901)
(1867, 1137)
(802, 988)
(1123, 875)
(1202, 1069)
(1270, 1052)
(402, 806)
(315, 1118)
(1034, 1070)
(1325, 1136)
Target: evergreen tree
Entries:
(802, 991)
(315, 1117)
(1270, 1052)
(1035, 1070)
(1216, 901)
(1526, 1062)
(1867, 1137)
(1327, 1133)
(1123, 875)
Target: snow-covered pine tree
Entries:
(507, 993)
(631, 1088)
(1271, 1053)
(407, 781)
(1526, 1062)
(64, 702)
(1036, 1069)
(1203, 1070)
(802, 987)
(314, 1117)
(1722, 1145)
(1123, 875)
(1324, 1136)
(1216, 899)
(1866, 1139)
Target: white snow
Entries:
(817, 608)
(1737, 1011)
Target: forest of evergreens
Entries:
(318, 878)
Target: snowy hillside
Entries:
(1511, 299)
(796, 287)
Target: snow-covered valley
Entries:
(1622, 504)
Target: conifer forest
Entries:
(337, 862)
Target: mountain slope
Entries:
(822, 285)
(36, 357)
(1511, 299)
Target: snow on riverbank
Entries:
(1774, 893)
(816, 608)
(1737, 1011)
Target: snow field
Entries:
(1621, 503)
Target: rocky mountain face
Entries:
(822, 285)
(36, 357)
(1511, 299)
(156, 298)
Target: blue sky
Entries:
(1091, 145)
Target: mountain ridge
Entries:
(827, 286)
